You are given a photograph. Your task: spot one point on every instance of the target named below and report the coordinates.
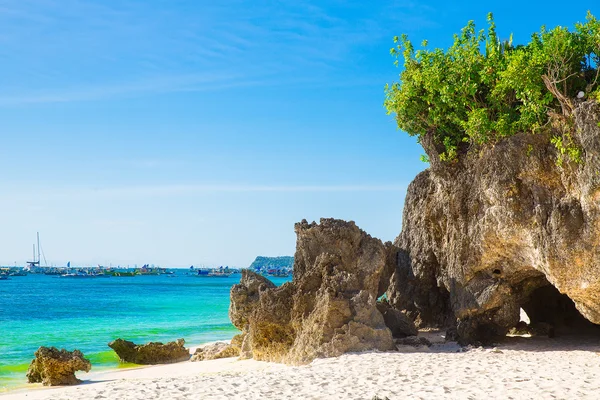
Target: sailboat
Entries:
(35, 265)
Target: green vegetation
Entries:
(273, 262)
(483, 89)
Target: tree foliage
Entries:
(482, 88)
(272, 262)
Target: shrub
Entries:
(482, 89)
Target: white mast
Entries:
(38, 243)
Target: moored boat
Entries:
(220, 272)
(78, 274)
(215, 272)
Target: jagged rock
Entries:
(481, 234)
(400, 325)
(330, 306)
(150, 353)
(245, 296)
(53, 367)
(215, 351)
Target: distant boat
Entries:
(215, 272)
(35, 266)
(101, 275)
(78, 274)
(220, 273)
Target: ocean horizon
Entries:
(85, 314)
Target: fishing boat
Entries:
(220, 273)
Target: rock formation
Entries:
(330, 306)
(482, 235)
(400, 324)
(150, 353)
(218, 350)
(53, 367)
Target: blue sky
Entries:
(198, 132)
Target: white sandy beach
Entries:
(524, 368)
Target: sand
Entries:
(521, 368)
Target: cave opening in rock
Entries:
(547, 306)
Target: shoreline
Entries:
(88, 378)
(99, 379)
(518, 368)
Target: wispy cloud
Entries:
(82, 50)
(163, 84)
(180, 190)
(189, 189)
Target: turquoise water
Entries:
(86, 314)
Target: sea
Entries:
(86, 314)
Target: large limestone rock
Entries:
(482, 235)
(330, 306)
(150, 353)
(53, 367)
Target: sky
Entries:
(198, 132)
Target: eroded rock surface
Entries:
(150, 353)
(481, 235)
(218, 350)
(53, 367)
(330, 306)
(398, 322)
